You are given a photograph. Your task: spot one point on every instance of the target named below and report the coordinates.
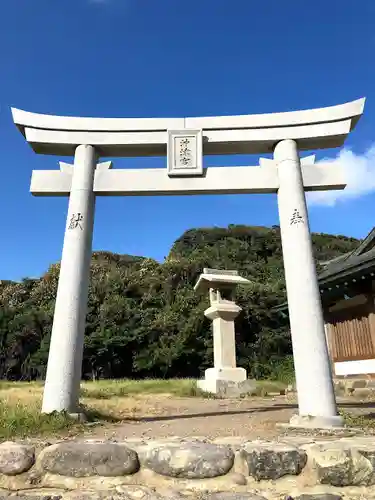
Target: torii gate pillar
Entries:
(316, 397)
(63, 377)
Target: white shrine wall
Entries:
(357, 367)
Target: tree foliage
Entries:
(144, 318)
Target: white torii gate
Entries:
(185, 141)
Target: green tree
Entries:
(144, 318)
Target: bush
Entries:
(283, 371)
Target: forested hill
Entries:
(144, 318)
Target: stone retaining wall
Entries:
(358, 387)
(362, 388)
(225, 469)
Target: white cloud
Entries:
(360, 177)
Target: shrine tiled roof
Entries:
(360, 258)
(358, 264)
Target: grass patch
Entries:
(265, 387)
(26, 420)
(7, 384)
(366, 422)
(104, 401)
(107, 389)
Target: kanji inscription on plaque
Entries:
(186, 148)
(184, 154)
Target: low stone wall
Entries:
(225, 469)
(358, 387)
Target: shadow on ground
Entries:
(97, 415)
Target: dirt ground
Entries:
(163, 416)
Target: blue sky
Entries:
(141, 58)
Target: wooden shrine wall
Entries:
(351, 330)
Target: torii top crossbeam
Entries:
(243, 134)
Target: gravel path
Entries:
(187, 417)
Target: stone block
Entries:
(317, 422)
(339, 387)
(137, 492)
(343, 464)
(89, 459)
(364, 393)
(273, 460)
(228, 495)
(15, 458)
(227, 388)
(358, 384)
(193, 460)
(323, 496)
(90, 495)
(33, 496)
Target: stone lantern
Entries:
(225, 378)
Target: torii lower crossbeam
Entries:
(155, 182)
